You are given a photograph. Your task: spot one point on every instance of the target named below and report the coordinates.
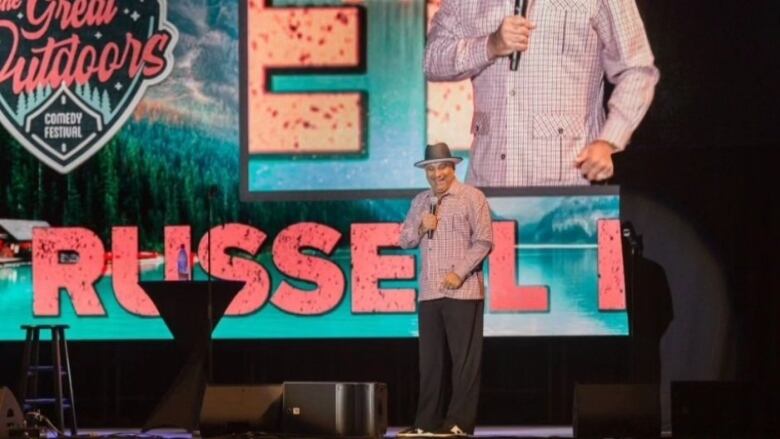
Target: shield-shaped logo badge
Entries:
(72, 72)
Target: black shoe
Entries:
(414, 432)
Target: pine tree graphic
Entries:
(32, 100)
(105, 106)
(95, 98)
(21, 108)
(40, 95)
(86, 94)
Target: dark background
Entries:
(697, 185)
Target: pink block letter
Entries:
(51, 272)
(505, 295)
(612, 280)
(226, 266)
(309, 38)
(124, 266)
(326, 275)
(368, 267)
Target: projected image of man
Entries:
(545, 122)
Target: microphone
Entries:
(432, 210)
(521, 6)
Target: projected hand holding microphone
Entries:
(513, 36)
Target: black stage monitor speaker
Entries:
(617, 410)
(335, 409)
(241, 409)
(11, 416)
(711, 409)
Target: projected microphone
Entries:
(521, 6)
(432, 211)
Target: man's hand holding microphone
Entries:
(428, 224)
(512, 36)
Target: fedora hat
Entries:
(437, 153)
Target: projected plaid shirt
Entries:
(530, 125)
(462, 239)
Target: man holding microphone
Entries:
(451, 225)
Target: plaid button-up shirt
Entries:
(462, 239)
(529, 125)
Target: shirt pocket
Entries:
(561, 125)
(456, 228)
(560, 137)
(445, 224)
(573, 24)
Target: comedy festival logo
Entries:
(72, 71)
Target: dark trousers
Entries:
(450, 341)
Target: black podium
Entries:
(184, 306)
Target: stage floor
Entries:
(487, 432)
(540, 432)
(511, 431)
